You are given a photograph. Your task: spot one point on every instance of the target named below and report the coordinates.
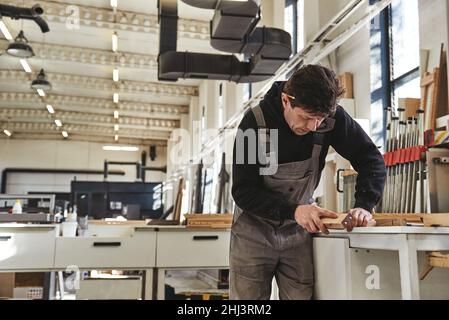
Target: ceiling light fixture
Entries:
(5, 31)
(41, 82)
(114, 3)
(40, 92)
(50, 109)
(116, 127)
(114, 42)
(20, 47)
(25, 65)
(58, 123)
(115, 75)
(116, 114)
(120, 148)
(115, 97)
(65, 134)
(7, 132)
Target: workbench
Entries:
(343, 261)
(151, 249)
(354, 259)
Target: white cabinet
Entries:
(188, 248)
(135, 251)
(27, 248)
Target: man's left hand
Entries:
(360, 218)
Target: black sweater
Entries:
(347, 138)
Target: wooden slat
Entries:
(436, 220)
(380, 220)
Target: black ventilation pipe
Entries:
(140, 170)
(34, 13)
(232, 29)
(6, 171)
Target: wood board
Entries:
(436, 220)
(379, 220)
(210, 221)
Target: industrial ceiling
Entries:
(79, 59)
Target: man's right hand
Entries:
(309, 217)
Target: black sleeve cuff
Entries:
(364, 204)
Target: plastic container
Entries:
(69, 228)
(17, 208)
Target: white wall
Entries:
(433, 24)
(44, 154)
(354, 57)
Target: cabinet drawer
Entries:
(137, 250)
(193, 249)
(27, 248)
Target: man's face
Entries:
(300, 121)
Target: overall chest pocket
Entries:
(296, 191)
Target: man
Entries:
(271, 233)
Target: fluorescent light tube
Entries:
(25, 65)
(50, 109)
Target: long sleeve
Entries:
(351, 142)
(248, 189)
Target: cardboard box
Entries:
(28, 293)
(122, 288)
(410, 105)
(22, 285)
(7, 281)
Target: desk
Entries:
(37, 248)
(179, 247)
(407, 241)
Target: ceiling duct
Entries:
(232, 29)
(33, 13)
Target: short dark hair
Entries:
(316, 89)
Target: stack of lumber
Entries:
(209, 221)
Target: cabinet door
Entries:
(136, 251)
(27, 248)
(193, 249)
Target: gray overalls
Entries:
(262, 248)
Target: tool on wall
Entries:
(405, 161)
(223, 177)
(197, 192)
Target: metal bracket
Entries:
(442, 160)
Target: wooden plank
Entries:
(436, 220)
(379, 219)
(211, 221)
(120, 223)
(347, 82)
(178, 202)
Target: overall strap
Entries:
(263, 131)
(258, 114)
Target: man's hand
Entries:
(309, 217)
(360, 218)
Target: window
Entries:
(247, 92)
(394, 61)
(220, 106)
(293, 23)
